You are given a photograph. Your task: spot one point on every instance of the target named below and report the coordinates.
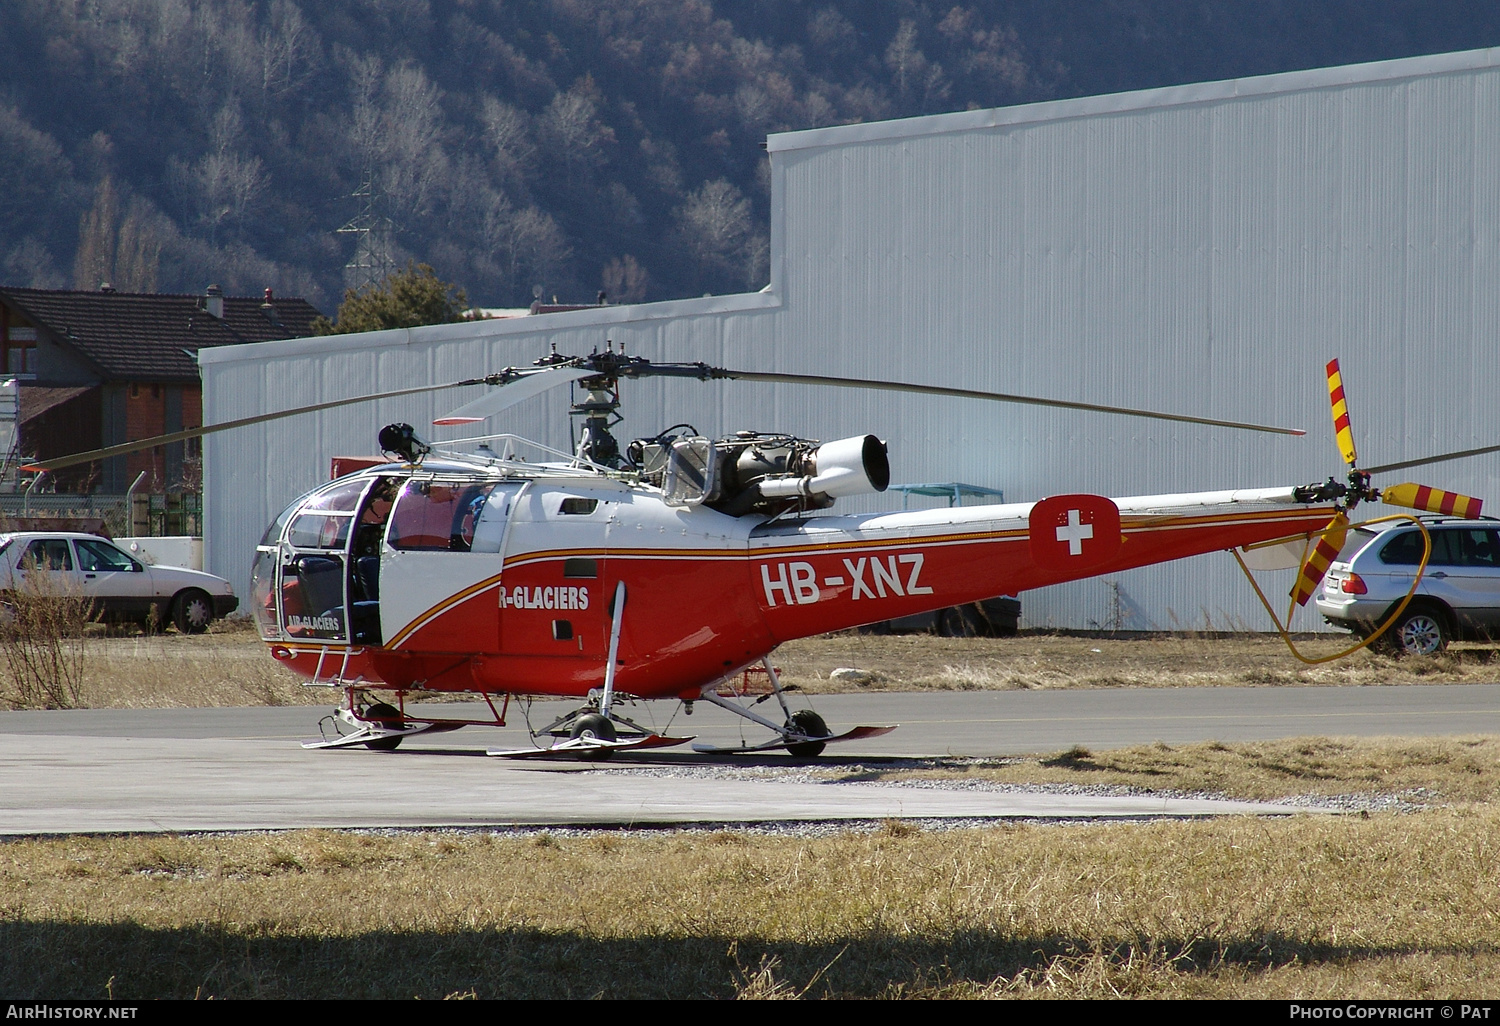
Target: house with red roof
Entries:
(101, 368)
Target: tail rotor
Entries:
(1357, 488)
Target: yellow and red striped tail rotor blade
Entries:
(1432, 500)
(1323, 553)
(1342, 432)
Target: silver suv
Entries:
(1458, 597)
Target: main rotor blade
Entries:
(506, 396)
(1408, 464)
(999, 397)
(126, 448)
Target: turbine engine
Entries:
(750, 472)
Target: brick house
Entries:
(101, 368)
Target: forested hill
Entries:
(575, 144)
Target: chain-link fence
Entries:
(156, 516)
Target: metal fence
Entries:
(161, 515)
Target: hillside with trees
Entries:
(578, 145)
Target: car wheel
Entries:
(1419, 632)
(193, 612)
(951, 623)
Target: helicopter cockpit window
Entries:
(319, 531)
(690, 478)
(437, 516)
(342, 498)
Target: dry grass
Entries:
(42, 626)
(1036, 660)
(230, 666)
(1391, 906)
(1418, 770)
(1384, 907)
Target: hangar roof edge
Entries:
(572, 319)
(1142, 99)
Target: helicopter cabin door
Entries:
(440, 565)
(556, 594)
(312, 599)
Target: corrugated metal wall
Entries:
(1201, 250)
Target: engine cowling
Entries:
(858, 465)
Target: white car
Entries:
(122, 587)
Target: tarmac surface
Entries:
(105, 771)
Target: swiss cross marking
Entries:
(1075, 533)
(1069, 534)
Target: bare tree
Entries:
(625, 280)
(29, 263)
(138, 252)
(524, 244)
(94, 262)
(288, 45)
(506, 130)
(395, 129)
(907, 63)
(228, 181)
(831, 32)
(714, 224)
(572, 129)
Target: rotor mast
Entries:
(599, 408)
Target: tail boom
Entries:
(832, 573)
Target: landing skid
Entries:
(804, 733)
(586, 747)
(383, 727)
(366, 734)
(856, 734)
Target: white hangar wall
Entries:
(1202, 249)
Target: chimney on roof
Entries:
(268, 310)
(213, 301)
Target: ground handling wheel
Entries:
(389, 717)
(805, 721)
(597, 726)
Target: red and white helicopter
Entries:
(669, 569)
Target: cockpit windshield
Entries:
(437, 515)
